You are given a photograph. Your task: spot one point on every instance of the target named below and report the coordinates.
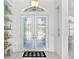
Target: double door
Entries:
(35, 33)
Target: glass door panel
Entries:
(41, 32)
(27, 32)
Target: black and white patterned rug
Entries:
(34, 54)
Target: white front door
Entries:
(41, 32)
(35, 33)
(28, 33)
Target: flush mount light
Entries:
(35, 3)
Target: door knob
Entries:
(34, 37)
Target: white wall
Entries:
(17, 6)
(64, 29)
(57, 29)
(61, 41)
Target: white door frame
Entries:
(22, 31)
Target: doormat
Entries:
(34, 54)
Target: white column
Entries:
(64, 29)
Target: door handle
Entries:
(34, 37)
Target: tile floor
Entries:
(71, 52)
(18, 55)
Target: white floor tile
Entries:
(18, 55)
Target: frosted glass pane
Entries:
(28, 21)
(41, 21)
(27, 43)
(27, 37)
(41, 43)
(41, 32)
(27, 32)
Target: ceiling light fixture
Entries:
(35, 3)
